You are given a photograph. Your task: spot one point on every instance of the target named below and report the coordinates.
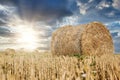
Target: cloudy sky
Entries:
(29, 23)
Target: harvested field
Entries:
(32, 66)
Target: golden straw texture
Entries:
(91, 39)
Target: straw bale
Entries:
(90, 39)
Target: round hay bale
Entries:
(91, 39)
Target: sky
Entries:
(29, 23)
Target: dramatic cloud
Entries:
(6, 10)
(4, 32)
(43, 10)
(103, 4)
(114, 28)
(6, 13)
(116, 4)
(48, 15)
(82, 7)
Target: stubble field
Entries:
(43, 66)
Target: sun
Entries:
(27, 37)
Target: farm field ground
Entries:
(43, 66)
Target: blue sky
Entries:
(48, 15)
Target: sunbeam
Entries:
(26, 36)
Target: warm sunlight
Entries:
(27, 37)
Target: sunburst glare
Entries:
(26, 36)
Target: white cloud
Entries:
(15, 23)
(119, 34)
(90, 1)
(116, 33)
(111, 14)
(6, 10)
(83, 11)
(7, 13)
(116, 4)
(82, 7)
(2, 20)
(71, 20)
(43, 27)
(102, 5)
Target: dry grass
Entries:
(9, 51)
(25, 66)
(91, 39)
